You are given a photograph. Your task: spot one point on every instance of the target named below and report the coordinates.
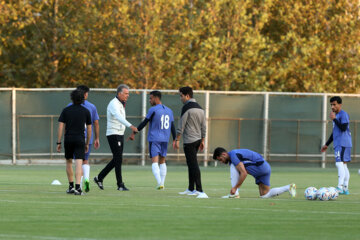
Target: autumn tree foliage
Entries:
(246, 45)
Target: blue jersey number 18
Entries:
(165, 121)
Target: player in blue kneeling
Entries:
(243, 162)
(161, 125)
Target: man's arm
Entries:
(203, 133)
(60, 133)
(139, 128)
(180, 130)
(97, 135)
(243, 174)
(173, 131)
(342, 127)
(176, 141)
(116, 112)
(88, 137)
(328, 142)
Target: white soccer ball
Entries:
(310, 193)
(333, 193)
(323, 194)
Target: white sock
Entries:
(276, 191)
(156, 172)
(86, 171)
(163, 171)
(346, 178)
(341, 174)
(234, 177)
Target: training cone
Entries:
(56, 182)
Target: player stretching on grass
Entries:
(243, 162)
(341, 136)
(161, 124)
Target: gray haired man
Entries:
(116, 125)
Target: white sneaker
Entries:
(187, 191)
(292, 190)
(202, 195)
(231, 196)
(194, 193)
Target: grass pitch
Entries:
(31, 208)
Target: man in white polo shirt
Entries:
(116, 124)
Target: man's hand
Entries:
(131, 137)
(58, 148)
(176, 144)
(202, 145)
(332, 115)
(86, 148)
(324, 148)
(96, 143)
(134, 129)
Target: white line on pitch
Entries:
(187, 206)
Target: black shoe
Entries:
(122, 187)
(99, 183)
(79, 192)
(70, 190)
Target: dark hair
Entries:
(186, 91)
(217, 152)
(156, 94)
(83, 88)
(77, 97)
(337, 99)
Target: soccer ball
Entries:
(310, 193)
(333, 193)
(323, 194)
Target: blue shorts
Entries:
(342, 154)
(86, 154)
(158, 149)
(260, 173)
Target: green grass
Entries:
(31, 208)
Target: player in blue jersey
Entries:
(341, 136)
(161, 124)
(95, 129)
(243, 162)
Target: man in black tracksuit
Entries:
(192, 126)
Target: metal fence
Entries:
(284, 127)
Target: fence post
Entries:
(143, 133)
(323, 139)
(13, 110)
(206, 147)
(266, 118)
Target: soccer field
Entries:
(31, 208)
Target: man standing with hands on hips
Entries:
(116, 124)
(192, 126)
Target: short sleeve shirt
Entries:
(75, 118)
(161, 118)
(94, 116)
(246, 156)
(341, 138)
